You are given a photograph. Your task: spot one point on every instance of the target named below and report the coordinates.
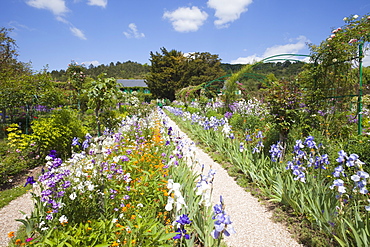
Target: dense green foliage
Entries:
(171, 71)
(334, 71)
(282, 70)
(102, 95)
(118, 70)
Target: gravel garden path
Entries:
(251, 221)
(9, 213)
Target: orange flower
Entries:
(11, 234)
(18, 241)
(115, 244)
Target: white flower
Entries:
(345, 19)
(178, 199)
(89, 185)
(41, 224)
(115, 220)
(63, 219)
(204, 189)
(335, 60)
(226, 129)
(72, 196)
(355, 16)
(89, 166)
(116, 159)
(170, 201)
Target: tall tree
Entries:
(172, 71)
(102, 95)
(165, 73)
(13, 73)
(76, 76)
(201, 68)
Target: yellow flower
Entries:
(115, 244)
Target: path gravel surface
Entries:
(251, 221)
(10, 213)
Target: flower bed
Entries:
(134, 187)
(328, 191)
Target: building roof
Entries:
(132, 83)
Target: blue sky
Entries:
(55, 32)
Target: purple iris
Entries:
(75, 141)
(53, 154)
(181, 233)
(183, 219)
(30, 181)
(124, 158)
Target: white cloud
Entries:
(133, 32)
(366, 59)
(247, 60)
(58, 7)
(186, 19)
(228, 10)
(288, 48)
(18, 26)
(77, 32)
(61, 19)
(100, 3)
(95, 63)
(292, 48)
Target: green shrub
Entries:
(193, 110)
(11, 164)
(360, 145)
(56, 132)
(212, 113)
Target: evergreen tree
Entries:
(166, 73)
(171, 71)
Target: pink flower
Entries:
(352, 41)
(332, 36)
(29, 239)
(337, 30)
